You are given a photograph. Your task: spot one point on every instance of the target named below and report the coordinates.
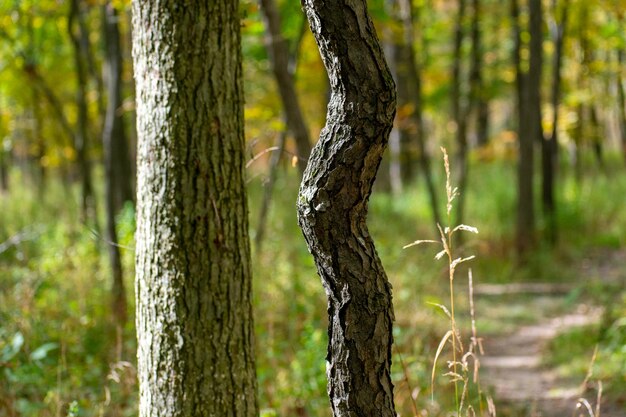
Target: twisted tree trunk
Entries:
(332, 208)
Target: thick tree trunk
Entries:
(278, 50)
(193, 286)
(409, 80)
(332, 208)
(122, 179)
(116, 162)
(88, 204)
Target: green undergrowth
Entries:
(57, 344)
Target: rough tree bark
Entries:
(278, 50)
(193, 286)
(332, 207)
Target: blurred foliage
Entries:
(58, 350)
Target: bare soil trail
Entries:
(513, 365)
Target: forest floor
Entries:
(533, 314)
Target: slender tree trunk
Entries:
(596, 137)
(550, 143)
(621, 97)
(528, 125)
(268, 190)
(88, 204)
(115, 132)
(460, 111)
(4, 169)
(278, 50)
(115, 160)
(193, 286)
(409, 80)
(479, 100)
(87, 52)
(278, 153)
(332, 208)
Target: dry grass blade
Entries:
(465, 228)
(419, 242)
(583, 386)
(583, 402)
(599, 399)
(458, 261)
(442, 343)
(491, 407)
(443, 308)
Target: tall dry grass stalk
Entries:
(460, 373)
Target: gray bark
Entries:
(193, 286)
(332, 208)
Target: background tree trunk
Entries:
(460, 111)
(408, 78)
(529, 126)
(278, 50)
(81, 135)
(480, 102)
(193, 286)
(116, 166)
(121, 175)
(332, 208)
(550, 144)
(621, 97)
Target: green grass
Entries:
(56, 346)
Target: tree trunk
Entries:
(193, 286)
(621, 98)
(550, 143)
(332, 208)
(528, 124)
(477, 84)
(409, 81)
(121, 175)
(460, 112)
(88, 204)
(4, 169)
(115, 162)
(278, 51)
(268, 190)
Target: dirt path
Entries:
(513, 362)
